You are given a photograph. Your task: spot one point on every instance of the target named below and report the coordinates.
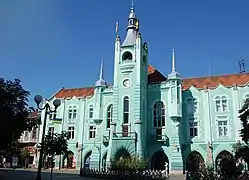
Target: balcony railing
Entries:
(27, 140)
(124, 135)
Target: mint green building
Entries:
(144, 113)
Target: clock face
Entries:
(126, 83)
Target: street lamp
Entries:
(56, 103)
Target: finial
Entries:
(132, 3)
(117, 27)
(173, 60)
(101, 81)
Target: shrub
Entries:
(129, 164)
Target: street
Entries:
(30, 174)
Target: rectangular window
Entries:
(52, 115)
(222, 128)
(92, 132)
(193, 127)
(71, 132)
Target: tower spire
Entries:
(173, 74)
(132, 27)
(173, 61)
(101, 70)
(101, 81)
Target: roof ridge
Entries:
(221, 75)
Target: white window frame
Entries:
(219, 119)
(194, 120)
(109, 115)
(72, 112)
(218, 101)
(71, 129)
(90, 111)
(161, 115)
(126, 98)
(94, 130)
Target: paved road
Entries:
(30, 174)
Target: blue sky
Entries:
(49, 44)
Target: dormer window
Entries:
(127, 56)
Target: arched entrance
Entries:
(122, 153)
(159, 160)
(194, 162)
(224, 161)
(87, 160)
(68, 160)
(104, 161)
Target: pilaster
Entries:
(236, 102)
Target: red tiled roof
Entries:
(154, 76)
(34, 114)
(214, 81)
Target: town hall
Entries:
(165, 119)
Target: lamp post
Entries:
(46, 107)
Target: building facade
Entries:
(144, 113)
(29, 139)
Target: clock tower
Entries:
(130, 83)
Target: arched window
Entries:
(91, 111)
(72, 112)
(127, 56)
(109, 115)
(221, 104)
(159, 114)
(126, 110)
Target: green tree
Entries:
(14, 112)
(242, 150)
(25, 155)
(55, 143)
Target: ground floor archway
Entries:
(194, 162)
(224, 160)
(68, 160)
(87, 160)
(159, 160)
(122, 153)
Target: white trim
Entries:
(157, 100)
(223, 118)
(88, 130)
(106, 114)
(152, 115)
(219, 98)
(196, 119)
(129, 120)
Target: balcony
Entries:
(27, 140)
(125, 135)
